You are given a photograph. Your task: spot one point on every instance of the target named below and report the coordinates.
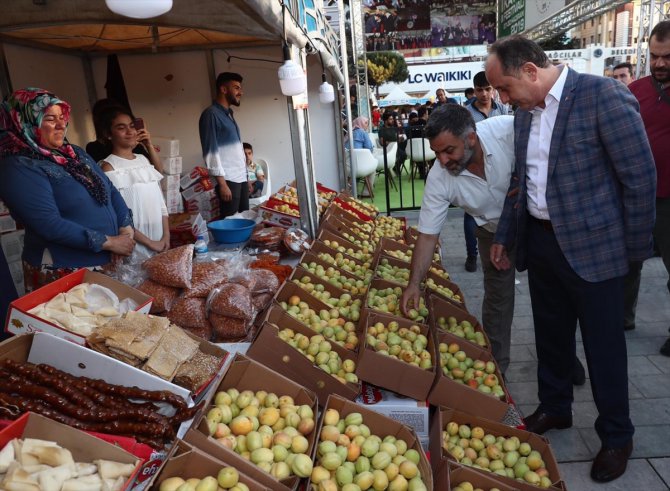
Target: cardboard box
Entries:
(447, 392)
(188, 462)
(84, 447)
(441, 307)
(451, 475)
(339, 221)
(274, 353)
(166, 147)
(170, 182)
(406, 410)
(390, 373)
(172, 165)
(335, 292)
(390, 263)
(447, 284)
(202, 186)
(173, 201)
(437, 454)
(383, 426)
(193, 176)
(270, 214)
(7, 223)
(12, 245)
(366, 253)
(309, 257)
(3, 208)
(319, 249)
(185, 228)
(382, 285)
(347, 202)
(19, 321)
(246, 374)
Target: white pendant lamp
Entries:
(326, 91)
(139, 9)
(292, 79)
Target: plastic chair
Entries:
(266, 187)
(420, 153)
(391, 150)
(366, 166)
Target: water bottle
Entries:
(200, 247)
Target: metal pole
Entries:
(347, 96)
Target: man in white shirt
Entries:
(476, 163)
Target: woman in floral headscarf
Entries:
(72, 214)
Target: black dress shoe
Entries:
(610, 463)
(540, 422)
(665, 349)
(578, 373)
(471, 264)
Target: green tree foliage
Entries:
(386, 66)
(562, 41)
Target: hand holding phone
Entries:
(138, 123)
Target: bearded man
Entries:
(476, 163)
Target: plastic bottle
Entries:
(200, 246)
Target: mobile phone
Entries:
(138, 123)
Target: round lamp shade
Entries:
(292, 79)
(326, 93)
(139, 9)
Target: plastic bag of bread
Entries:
(189, 312)
(261, 301)
(205, 277)
(264, 281)
(164, 296)
(226, 328)
(172, 268)
(231, 300)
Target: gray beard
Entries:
(464, 162)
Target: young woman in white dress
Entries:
(137, 179)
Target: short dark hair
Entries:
(661, 31)
(440, 90)
(247, 146)
(514, 51)
(625, 64)
(225, 77)
(480, 80)
(453, 118)
(387, 114)
(469, 92)
(422, 111)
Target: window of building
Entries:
(592, 39)
(583, 42)
(592, 22)
(599, 38)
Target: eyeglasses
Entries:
(52, 119)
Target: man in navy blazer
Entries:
(580, 206)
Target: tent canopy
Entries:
(398, 97)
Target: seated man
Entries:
(255, 173)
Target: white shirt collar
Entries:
(556, 90)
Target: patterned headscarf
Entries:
(360, 122)
(20, 120)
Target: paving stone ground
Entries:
(649, 375)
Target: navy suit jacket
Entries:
(601, 180)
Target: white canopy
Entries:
(398, 97)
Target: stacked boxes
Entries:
(198, 191)
(12, 247)
(168, 150)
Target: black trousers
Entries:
(559, 299)
(240, 201)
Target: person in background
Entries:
(255, 173)
(376, 117)
(99, 148)
(360, 134)
(653, 94)
(482, 107)
(391, 132)
(443, 98)
(137, 179)
(469, 96)
(222, 145)
(580, 206)
(623, 72)
(73, 216)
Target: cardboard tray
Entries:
(449, 393)
(84, 447)
(246, 374)
(274, 353)
(326, 234)
(309, 257)
(383, 426)
(383, 284)
(335, 291)
(452, 474)
(338, 222)
(186, 461)
(441, 307)
(347, 198)
(446, 283)
(320, 248)
(389, 373)
(19, 321)
(392, 261)
(437, 454)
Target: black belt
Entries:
(545, 224)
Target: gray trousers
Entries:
(498, 304)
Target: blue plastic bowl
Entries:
(231, 230)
